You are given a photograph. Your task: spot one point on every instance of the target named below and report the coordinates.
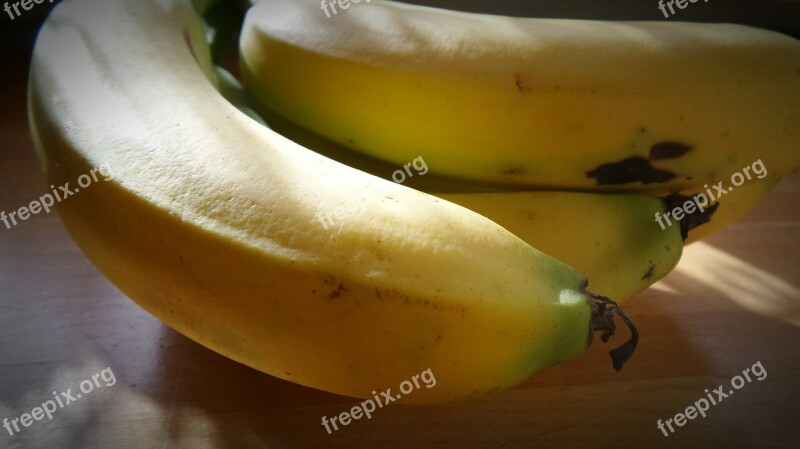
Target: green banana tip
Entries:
(603, 312)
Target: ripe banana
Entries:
(609, 238)
(209, 225)
(542, 102)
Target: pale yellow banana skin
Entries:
(208, 223)
(539, 102)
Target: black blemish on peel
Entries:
(626, 171)
(649, 272)
(693, 220)
(668, 150)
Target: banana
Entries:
(208, 224)
(549, 103)
(612, 239)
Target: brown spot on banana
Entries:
(627, 171)
(513, 171)
(649, 272)
(520, 86)
(335, 294)
(668, 150)
(693, 220)
(639, 169)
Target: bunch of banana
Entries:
(210, 223)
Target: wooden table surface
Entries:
(734, 301)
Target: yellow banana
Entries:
(609, 237)
(208, 223)
(541, 102)
(612, 239)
